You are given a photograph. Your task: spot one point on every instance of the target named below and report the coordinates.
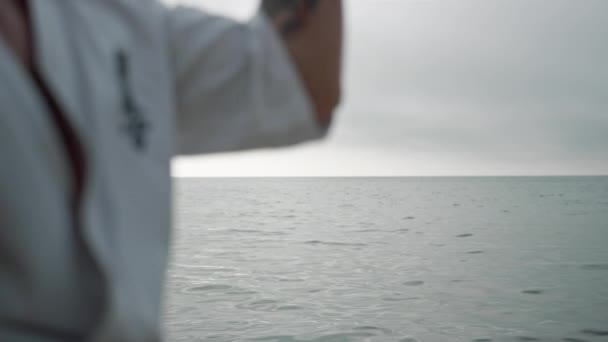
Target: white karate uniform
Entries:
(139, 82)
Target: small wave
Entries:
(207, 268)
(594, 332)
(533, 292)
(414, 283)
(289, 307)
(593, 267)
(349, 244)
(210, 287)
(464, 235)
(343, 336)
(290, 280)
(260, 305)
(365, 231)
(372, 328)
(277, 338)
(399, 299)
(242, 292)
(401, 230)
(408, 339)
(234, 230)
(264, 302)
(255, 231)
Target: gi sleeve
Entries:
(236, 87)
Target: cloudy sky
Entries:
(454, 87)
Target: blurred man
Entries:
(96, 97)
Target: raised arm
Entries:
(312, 32)
(271, 81)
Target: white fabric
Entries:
(199, 84)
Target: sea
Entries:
(389, 259)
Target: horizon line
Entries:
(406, 176)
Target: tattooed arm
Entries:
(312, 32)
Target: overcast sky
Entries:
(454, 87)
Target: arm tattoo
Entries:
(274, 7)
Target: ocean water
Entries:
(389, 259)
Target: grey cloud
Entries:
(513, 79)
